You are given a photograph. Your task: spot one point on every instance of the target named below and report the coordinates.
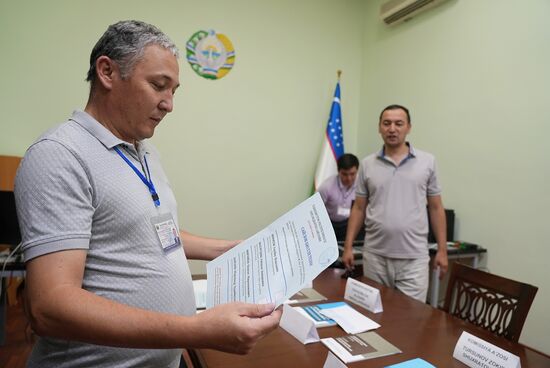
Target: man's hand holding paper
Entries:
(241, 326)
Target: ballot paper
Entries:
(278, 261)
(312, 313)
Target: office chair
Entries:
(492, 302)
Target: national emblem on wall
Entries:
(210, 54)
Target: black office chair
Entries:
(492, 302)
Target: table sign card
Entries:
(364, 295)
(348, 318)
(298, 325)
(333, 362)
(475, 352)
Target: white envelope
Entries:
(348, 318)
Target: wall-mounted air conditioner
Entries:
(396, 11)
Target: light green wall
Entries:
(475, 76)
(239, 151)
(242, 150)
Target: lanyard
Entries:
(343, 191)
(147, 182)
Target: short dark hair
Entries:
(124, 42)
(347, 161)
(396, 107)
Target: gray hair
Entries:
(124, 43)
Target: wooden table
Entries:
(417, 329)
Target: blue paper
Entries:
(413, 363)
(331, 305)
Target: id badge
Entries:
(342, 211)
(167, 232)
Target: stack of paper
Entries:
(353, 348)
(312, 312)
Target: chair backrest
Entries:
(492, 302)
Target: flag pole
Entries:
(338, 74)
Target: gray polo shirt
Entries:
(396, 222)
(74, 191)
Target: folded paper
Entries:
(298, 325)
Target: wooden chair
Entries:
(492, 302)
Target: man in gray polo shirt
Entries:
(108, 284)
(393, 188)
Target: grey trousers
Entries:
(411, 276)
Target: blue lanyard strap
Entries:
(147, 182)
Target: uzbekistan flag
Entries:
(333, 145)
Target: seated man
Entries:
(338, 193)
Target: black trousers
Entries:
(341, 227)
